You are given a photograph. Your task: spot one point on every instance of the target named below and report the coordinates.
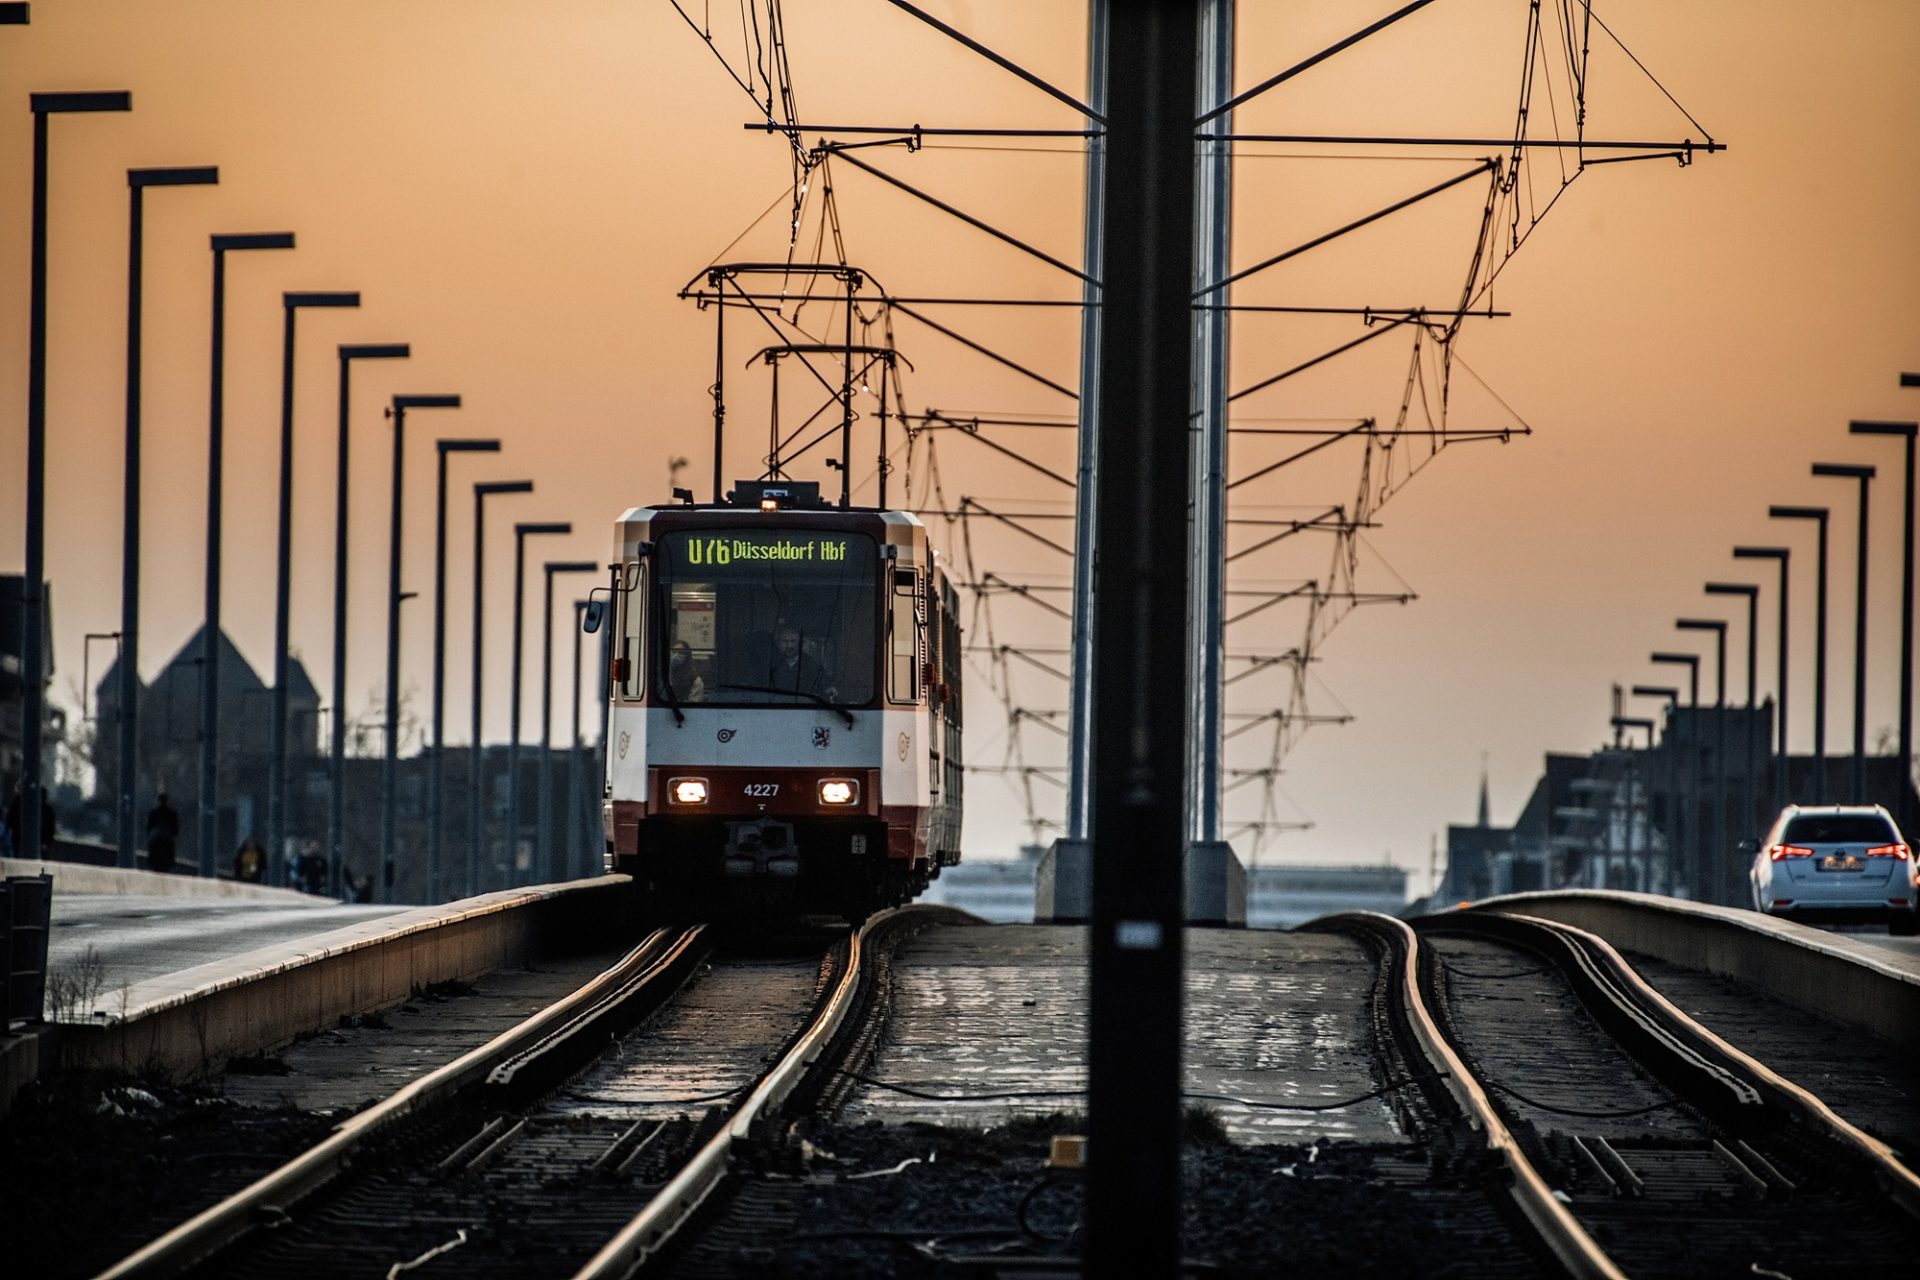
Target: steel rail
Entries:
(1900, 1181)
(682, 1195)
(1555, 1225)
(215, 1228)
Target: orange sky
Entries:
(518, 188)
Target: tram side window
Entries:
(633, 622)
(903, 644)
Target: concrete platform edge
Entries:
(82, 877)
(189, 1025)
(1824, 973)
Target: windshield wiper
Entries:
(673, 701)
(795, 693)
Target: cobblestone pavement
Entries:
(1274, 1017)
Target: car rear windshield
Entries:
(1839, 828)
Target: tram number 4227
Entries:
(762, 790)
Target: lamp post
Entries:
(1634, 803)
(138, 180)
(1906, 431)
(337, 723)
(389, 765)
(1864, 475)
(282, 597)
(1782, 775)
(33, 622)
(210, 632)
(574, 789)
(544, 844)
(521, 532)
(1820, 515)
(481, 492)
(436, 770)
(1672, 697)
(1690, 856)
(1752, 594)
(1715, 853)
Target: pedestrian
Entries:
(163, 828)
(250, 863)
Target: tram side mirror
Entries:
(903, 580)
(594, 615)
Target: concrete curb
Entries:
(1825, 973)
(82, 877)
(191, 1024)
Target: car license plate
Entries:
(1839, 862)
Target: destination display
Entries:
(765, 549)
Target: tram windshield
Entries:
(759, 616)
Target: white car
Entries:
(1837, 862)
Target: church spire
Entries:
(1485, 817)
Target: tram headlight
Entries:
(686, 790)
(839, 791)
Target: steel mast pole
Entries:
(1819, 515)
(1139, 731)
(575, 792)
(1782, 777)
(1086, 478)
(1213, 228)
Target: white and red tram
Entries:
(784, 727)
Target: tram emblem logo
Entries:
(904, 745)
(821, 734)
(626, 740)
(725, 735)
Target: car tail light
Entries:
(839, 791)
(1783, 902)
(1779, 851)
(1898, 851)
(686, 790)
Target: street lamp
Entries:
(210, 632)
(1713, 856)
(436, 772)
(1864, 475)
(389, 766)
(283, 584)
(574, 789)
(1672, 696)
(521, 532)
(544, 843)
(33, 622)
(337, 726)
(1635, 803)
(1819, 514)
(1752, 594)
(138, 180)
(1691, 855)
(1906, 431)
(481, 492)
(1782, 776)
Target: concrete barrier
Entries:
(1831, 974)
(82, 877)
(192, 1023)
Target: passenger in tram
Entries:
(686, 682)
(797, 670)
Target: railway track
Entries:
(1672, 1151)
(327, 1186)
(529, 1155)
